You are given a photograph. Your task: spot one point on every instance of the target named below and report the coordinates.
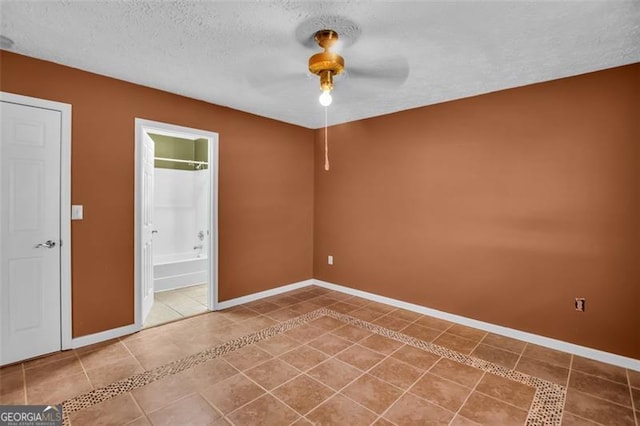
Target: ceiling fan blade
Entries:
(383, 73)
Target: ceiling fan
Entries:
(326, 64)
(372, 63)
(378, 71)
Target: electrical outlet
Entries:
(580, 304)
(330, 260)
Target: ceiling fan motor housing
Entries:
(326, 64)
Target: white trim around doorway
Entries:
(141, 126)
(65, 205)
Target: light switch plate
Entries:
(76, 212)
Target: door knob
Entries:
(48, 244)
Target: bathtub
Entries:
(179, 270)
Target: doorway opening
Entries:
(176, 222)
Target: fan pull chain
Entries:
(326, 142)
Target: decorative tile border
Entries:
(548, 401)
(546, 408)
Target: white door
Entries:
(148, 154)
(29, 232)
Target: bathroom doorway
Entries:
(176, 222)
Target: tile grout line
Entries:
(84, 370)
(484, 373)
(406, 391)
(123, 343)
(520, 356)
(135, 401)
(567, 385)
(364, 372)
(266, 392)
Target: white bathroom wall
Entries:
(175, 214)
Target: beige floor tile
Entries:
(232, 393)
(161, 313)
(192, 409)
(104, 355)
(278, 345)
(48, 359)
(340, 410)
(372, 393)
(486, 410)
(209, 373)
(431, 322)
(58, 389)
(412, 410)
(116, 411)
(597, 410)
(334, 373)
(505, 343)
(602, 388)
(380, 344)
(456, 372)
(109, 373)
(420, 332)
(510, 391)
(543, 370)
(456, 343)
(599, 369)
(396, 372)
(551, 356)
(497, 356)
(415, 357)
(304, 357)
(360, 357)
(140, 421)
(351, 333)
(56, 370)
(442, 392)
(272, 373)
(264, 411)
(330, 344)
(10, 369)
(163, 392)
(247, 357)
(303, 393)
(12, 388)
(391, 322)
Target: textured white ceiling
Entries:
(252, 56)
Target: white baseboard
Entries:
(90, 339)
(261, 295)
(583, 351)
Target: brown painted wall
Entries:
(502, 208)
(265, 187)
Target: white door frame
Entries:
(65, 204)
(141, 126)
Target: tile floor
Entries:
(313, 356)
(175, 304)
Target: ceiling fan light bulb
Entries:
(325, 98)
